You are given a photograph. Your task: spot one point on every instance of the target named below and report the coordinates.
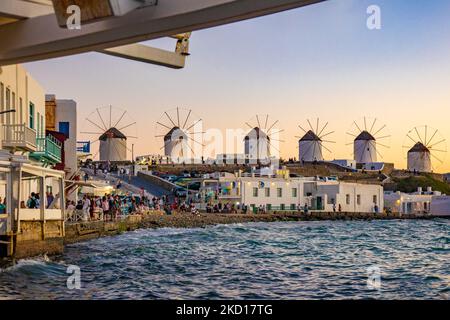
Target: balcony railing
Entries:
(48, 150)
(18, 137)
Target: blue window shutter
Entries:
(64, 127)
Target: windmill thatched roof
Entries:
(365, 135)
(112, 133)
(256, 133)
(310, 136)
(170, 135)
(419, 147)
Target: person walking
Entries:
(86, 208)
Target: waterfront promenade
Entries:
(90, 230)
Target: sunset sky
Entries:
(317, 61)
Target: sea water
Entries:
(408, 259)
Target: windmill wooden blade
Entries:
(164, 125)
(373, 125)
(187, 118)
(321, 131)
(94, 124)
(98, 112)
(120, 119)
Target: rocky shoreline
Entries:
(90, 230)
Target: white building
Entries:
(282, 192)
(20, 92)
(365, 148)
(410, 203)
(345, 163)
(310, 148)
(26, 153)
(440, 206)
(419, 158)
(373, 166)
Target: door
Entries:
(319, 203)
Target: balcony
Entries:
(18, 137)
(48, 150)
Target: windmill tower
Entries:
(113, 146)
(423, 149)
(179, 134)
(367, 140)
(258, 141)
(111, 135)
(310, 145)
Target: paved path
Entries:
(134, 186)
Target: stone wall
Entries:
(36, 238)
(166, 185)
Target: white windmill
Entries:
(259, 140)
(366, 140)
(310, 145)
(422, 145)
(111, 134)
(179, 134)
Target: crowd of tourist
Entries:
(108, 208)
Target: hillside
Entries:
(412, 183)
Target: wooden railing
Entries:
(48, 147)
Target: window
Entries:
(267, 191)
(31, 119)
(64, 127)
(269, 207)
(13, 107)
(255, 192)
(8, 99)
(2, 99)
(358, 199)
(20, 111)
(294, 192)
(279, 192)
(8, 105)
(293, 206)
(347, 199)
(375, 199)
(282, 207)
(38, 124)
